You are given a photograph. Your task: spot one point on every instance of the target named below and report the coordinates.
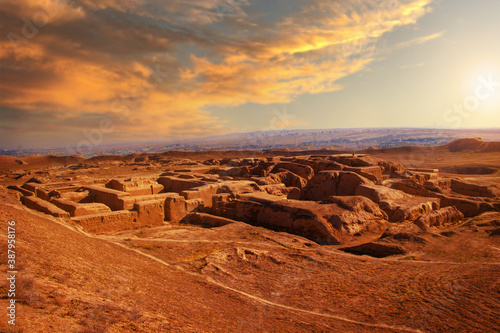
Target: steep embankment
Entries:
(473, 144)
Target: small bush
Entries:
(26, 290)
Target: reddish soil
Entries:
(242, 278)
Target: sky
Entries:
(76, 73)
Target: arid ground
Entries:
(407, 269)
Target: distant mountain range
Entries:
(305, 139)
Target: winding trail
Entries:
(270, 303)
(322, 249)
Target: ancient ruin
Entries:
(329, 199)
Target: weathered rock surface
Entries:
(410, 187)
(398, 205)
(376, 249)
(136, 186)
(239, 187)
(489, 219)
(413, 209)
(297, 217)
(468, 207)
(43, 206)
(206, 220)
(328, 183)
(324, 222)
(80, 209)
(357, 204)
(301, 170)
(438, 185)
(281, 190)
(373, 173)
(288, 178)
(442, 217)
(474, 190)
(404, 228)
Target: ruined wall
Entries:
(145, 214)
(109, 197)
(43, 206)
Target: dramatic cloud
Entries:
(420, 40)
(154, 68)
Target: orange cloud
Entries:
(98, 58)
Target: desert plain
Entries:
(381, 240)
